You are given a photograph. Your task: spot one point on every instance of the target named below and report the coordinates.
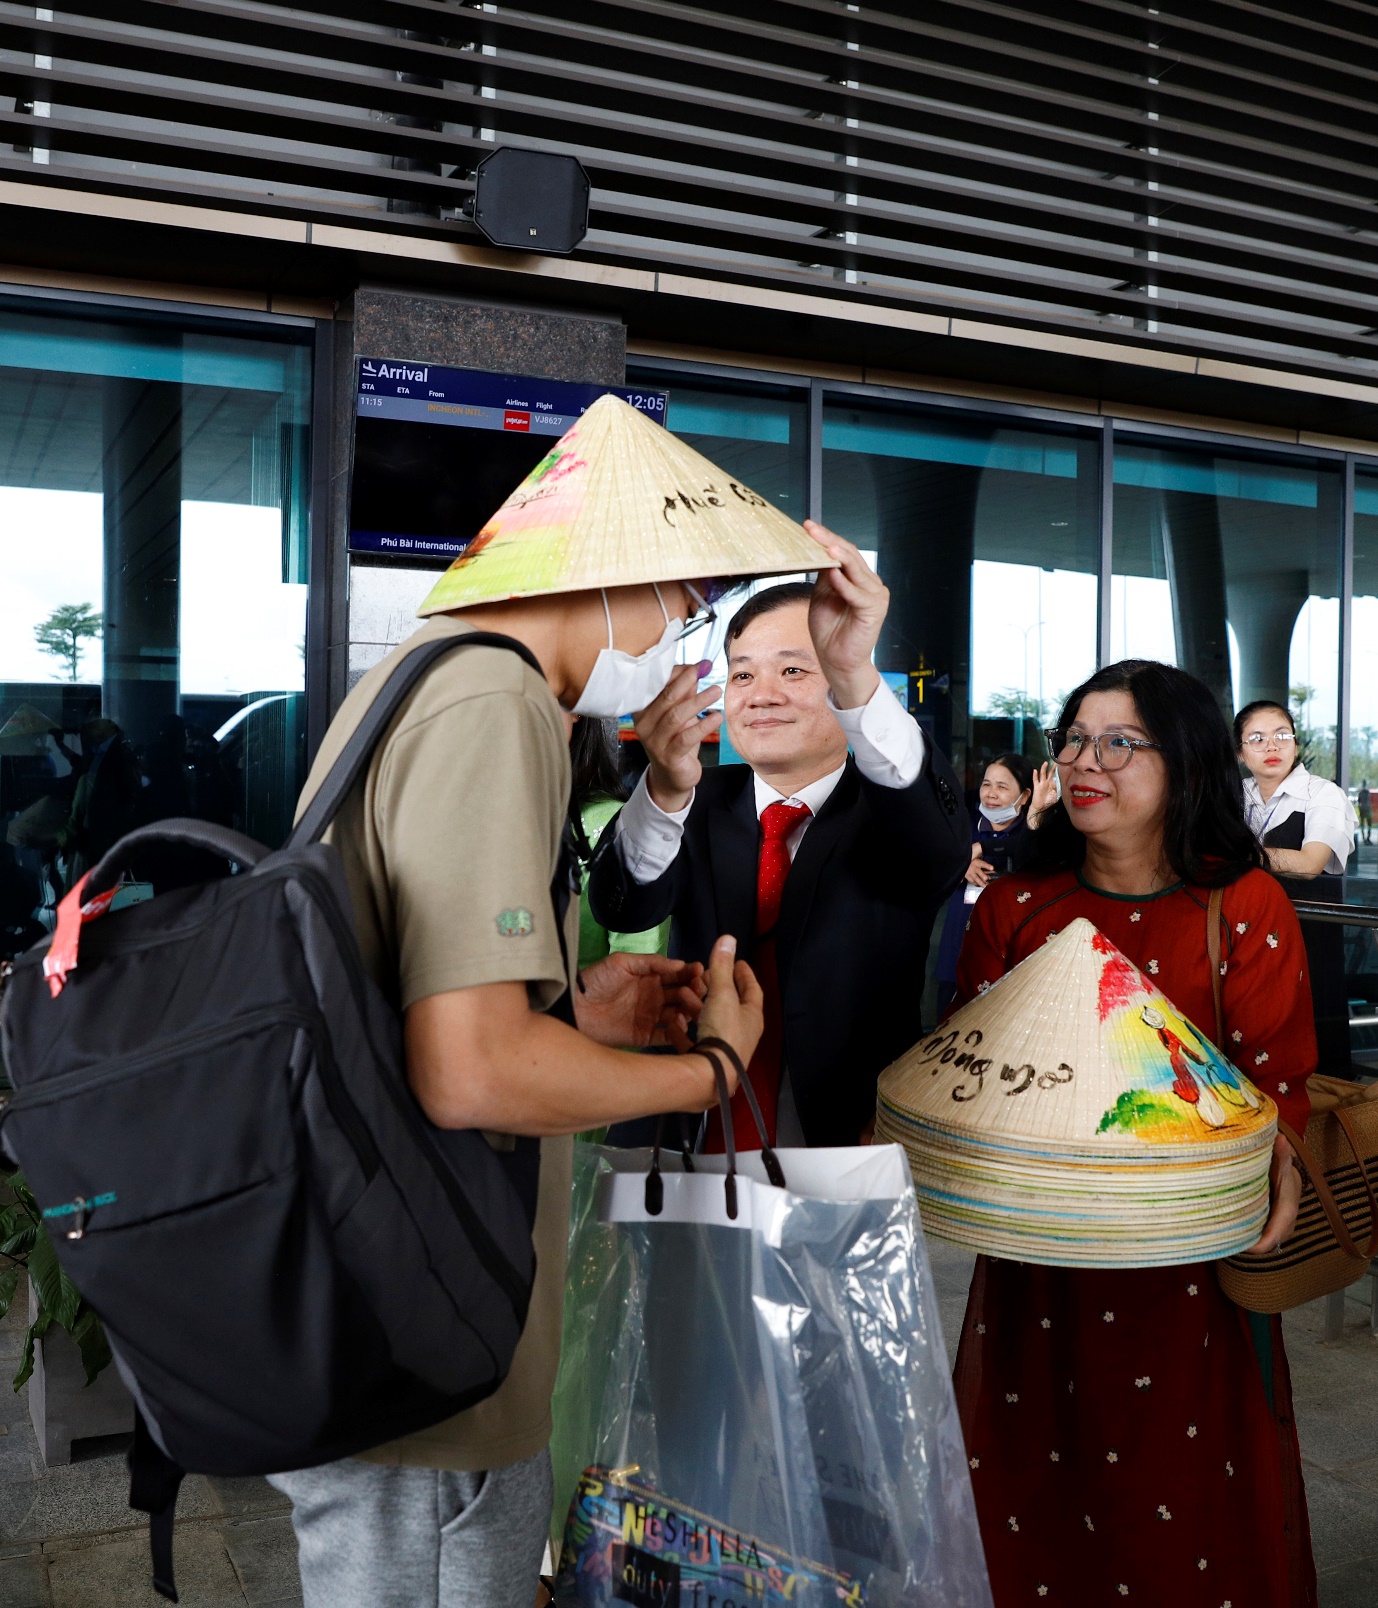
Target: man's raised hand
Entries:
(670, 731)
(846, 613)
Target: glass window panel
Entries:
(1363, 672)
(153, 528)
(986, 535)
(756, 433)
(1229, 565)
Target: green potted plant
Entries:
(71, 1396)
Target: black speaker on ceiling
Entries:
(531, 200)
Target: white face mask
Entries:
(1000, 816)
(622, 683)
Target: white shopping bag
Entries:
(755, 1410)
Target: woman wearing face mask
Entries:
(1130, 1431)
(1012, 798)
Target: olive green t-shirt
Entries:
(450, 848)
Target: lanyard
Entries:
(1262, 827)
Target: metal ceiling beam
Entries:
(1020, 159)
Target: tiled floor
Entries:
(68, 1539)
(1335, 1390)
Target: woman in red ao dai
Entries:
(1130, 1431)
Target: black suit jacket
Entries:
(855, 920)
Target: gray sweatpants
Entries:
(371, 1535)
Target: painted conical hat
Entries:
(1077, 1052)
(618, 501)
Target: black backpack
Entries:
(291, 1262)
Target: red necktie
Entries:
(777, 822)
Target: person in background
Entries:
(1130, 1431)
(1365, 802)
(836, 865)
(597, 792)
(1307, 827)
(1306, 824)
(1012, 798)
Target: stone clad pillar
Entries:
(1263, 610)
(926, 536)
(451, 332)
(1195, 563)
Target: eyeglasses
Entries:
(1257, 739)
(706, 616)
(1113, 750)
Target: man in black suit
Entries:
(828, 868)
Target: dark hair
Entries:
(1018, 765)
(716, 589)
(774, 597)
(594, 762)
(1247, 713)
(1206, 838)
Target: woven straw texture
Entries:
(1310, 1263)
(1072, 1115)
(619, 501)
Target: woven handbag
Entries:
(1336, 1233)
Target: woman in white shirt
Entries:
(1306, 824)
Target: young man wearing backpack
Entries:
(451, 847)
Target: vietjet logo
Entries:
(392, 371)
(516, 421)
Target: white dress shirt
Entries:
(888, 745)
(884, 737)
(1330, 817)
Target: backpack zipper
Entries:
(347, 1115)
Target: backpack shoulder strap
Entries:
(154, 1480)
(358, 750)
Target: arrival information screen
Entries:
(438, 450)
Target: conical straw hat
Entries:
(1076, 1051)
(1072, 1115)
(619, 501)
(22, 732)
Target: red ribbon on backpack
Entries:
(72, 913)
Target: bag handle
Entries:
(1316, 1174)
(221, 841)
(1346, 1122)
(91, 896)
(1309, 1165)
(769, 1160)
(655, 1186)
(1214, 907)
(709, 1050)
(353, 758)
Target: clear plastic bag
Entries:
(758, 1411)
